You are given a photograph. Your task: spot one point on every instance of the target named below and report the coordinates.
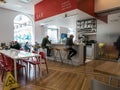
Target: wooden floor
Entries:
(63, 77)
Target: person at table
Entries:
(27, 47)
(46, 44)
(11, 44)
(69, 46)
(17, 45)
(36, 46)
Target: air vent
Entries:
(26, 1)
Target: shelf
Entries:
(90, 33)
(87, 25)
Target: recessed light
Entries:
(26, 1)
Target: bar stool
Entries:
(57, 52)
(66, 52)
(65, 56)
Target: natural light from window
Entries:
(23, 28)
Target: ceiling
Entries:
(69, 21)
(26, 6)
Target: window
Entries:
(23, 29)
(52, 32)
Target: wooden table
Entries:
(109, 68)
(17, 55)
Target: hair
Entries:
(71, 35)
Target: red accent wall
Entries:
(86, 6)
(48, 8)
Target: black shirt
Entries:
(69, 42)
(45, 41)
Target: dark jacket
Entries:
(44, 43)
(69, 42)
(17, 46)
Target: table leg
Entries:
(40, 67)
(15, 70)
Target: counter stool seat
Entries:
(57, 51)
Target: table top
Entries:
(110, 68)
(18, 54)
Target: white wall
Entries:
(40, 32)
(7, 24)
(101, 5)
(108, 32)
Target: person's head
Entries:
(26, 42)
(36, 43)
(47, 36)
(71, 36)
(16, 42)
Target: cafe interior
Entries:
(95, 27)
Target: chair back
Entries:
(8, 60)
(97, 85)
(2, 61)
(43, 55)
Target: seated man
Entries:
(46, 44)
(69, 44)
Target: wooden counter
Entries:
(109, 68)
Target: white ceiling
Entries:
(28, 8)
(61, 21)
(20, 5)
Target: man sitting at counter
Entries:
(69, 46)
(46, 44)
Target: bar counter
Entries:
(77, 60)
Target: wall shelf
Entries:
(86, 29)
(87, 25)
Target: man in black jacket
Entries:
(46, 44)
(69, 44)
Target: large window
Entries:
(52, 32)
(23, 29)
